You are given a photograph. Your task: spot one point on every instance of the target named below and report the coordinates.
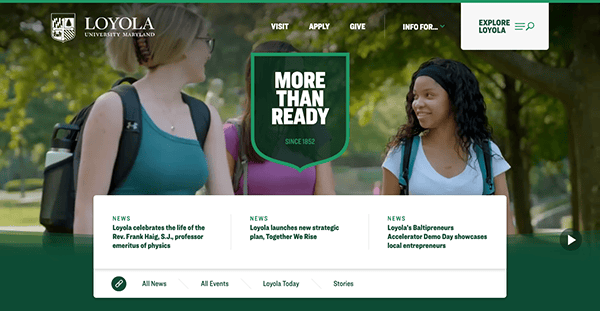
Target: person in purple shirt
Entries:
(266, 177)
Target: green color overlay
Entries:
(56, 272)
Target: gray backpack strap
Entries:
(244, 161)
(241, 165)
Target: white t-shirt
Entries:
(426, 180)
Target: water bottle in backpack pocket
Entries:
(58, 196)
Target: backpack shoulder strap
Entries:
(484, 157)
(130, 137)
(409, 152)
(241, 165)
(200, 116)
(129, 144)
(413, 154)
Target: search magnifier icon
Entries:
(530, 25)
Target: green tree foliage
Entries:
(382, 59)
(45, 82)
(373, 62)
(229, 25)
(41, 76)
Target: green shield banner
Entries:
(300, 107)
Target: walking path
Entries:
(30, 196)
(22, 228)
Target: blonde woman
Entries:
(170, 158)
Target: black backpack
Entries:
(409, 149)
(60, 179)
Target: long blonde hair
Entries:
(175, 28)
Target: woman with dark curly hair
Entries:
(446, 118)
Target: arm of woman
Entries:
(98, 154)
(325, 184)
(390, 183)
(219, 181)
(502, 189)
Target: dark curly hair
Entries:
(466, 104)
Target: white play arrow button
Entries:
(570, 239)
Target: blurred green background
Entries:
(543, 105)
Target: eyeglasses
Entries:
(209, 41)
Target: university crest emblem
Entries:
(63, 26)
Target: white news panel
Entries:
(299, 246)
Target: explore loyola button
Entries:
(570, 239)
(504, 26)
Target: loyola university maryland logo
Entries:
(63, 26)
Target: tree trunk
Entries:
(586, 138)
(575, 213)
(585, 112)
(520, 185)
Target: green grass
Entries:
(13, 213)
